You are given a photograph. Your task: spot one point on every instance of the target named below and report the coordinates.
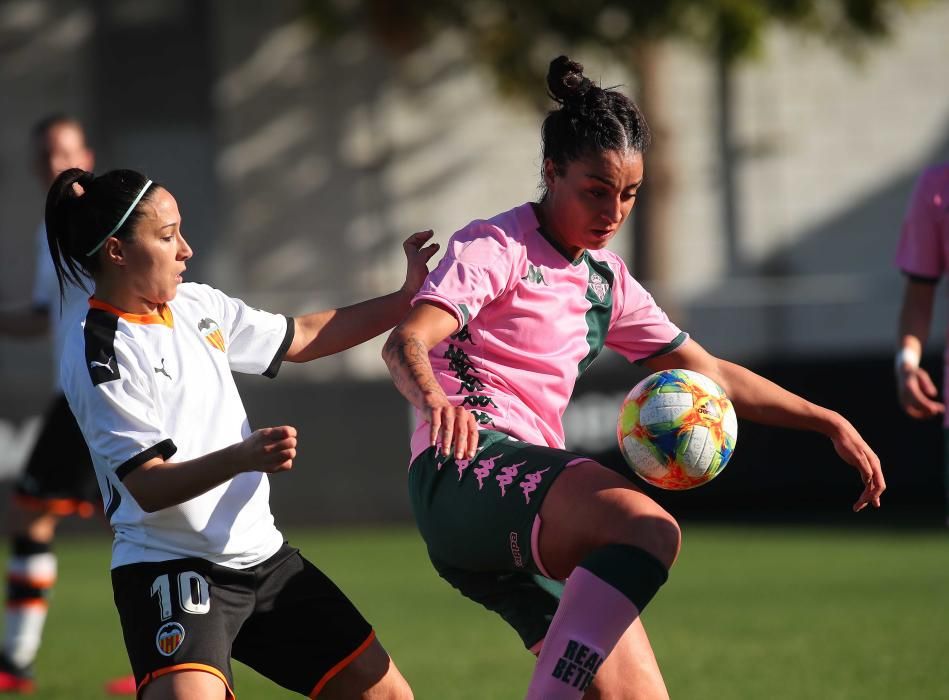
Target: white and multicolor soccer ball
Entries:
(677, 429)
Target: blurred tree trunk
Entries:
(652, 245)
(728, 157)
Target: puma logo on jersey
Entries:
(161, 370)
(104, 365)
(103, 371)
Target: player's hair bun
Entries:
(85, 179)
(566, 83)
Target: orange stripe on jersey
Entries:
(163, 317)
(32, 581)
(57, 506)
(229, 695)
(342, 664)
(27, 603)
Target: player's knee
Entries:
(655, 531)
(669, 539)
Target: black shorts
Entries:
(284, 618)
(59, 476)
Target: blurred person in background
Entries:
(200, 573)
(923, 256)
(58, 479)
(519, 306)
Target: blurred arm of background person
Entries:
(23, 322)
(922, 255)
(917, 391)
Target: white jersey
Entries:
(143, 386)
(46, 296)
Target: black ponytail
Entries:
(78, 219)
(590, 119)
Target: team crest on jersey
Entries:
(599, 286)
(169, 638)
(212, 333)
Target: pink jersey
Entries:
(530, 322)
(923, 250)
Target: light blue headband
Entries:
(122, 220)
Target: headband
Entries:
(128, 211)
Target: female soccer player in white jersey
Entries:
(200, 573)
(520, 304)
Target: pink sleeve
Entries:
(920, 249)
(477, 267)
(639, 328)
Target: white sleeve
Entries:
(118, 417)
(255, 341)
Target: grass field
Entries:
(748, 613)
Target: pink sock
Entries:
(591, 618)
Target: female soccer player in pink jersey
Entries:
(518, 307)
(200, 572)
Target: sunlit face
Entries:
(153, 257)
(63, 147)
(588, 202)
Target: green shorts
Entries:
(480, 520)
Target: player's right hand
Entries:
(917, 393)
(271, 450)
(452, 429)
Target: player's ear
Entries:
(114, 251)
(550, 173)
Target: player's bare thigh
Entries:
(185, 685)
(590, 506)
(370, 676)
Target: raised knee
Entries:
(671, 540)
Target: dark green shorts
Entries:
(480, 521)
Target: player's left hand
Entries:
(854, 450)
(417, 257)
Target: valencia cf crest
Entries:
(599, 286)
(212, 333)
(169, 638)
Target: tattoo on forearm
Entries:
(410, 367)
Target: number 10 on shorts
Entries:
(193, 594)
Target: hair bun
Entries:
(85, 179)
(566, 82)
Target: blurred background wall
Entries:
(300, 164)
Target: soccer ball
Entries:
(677, 429)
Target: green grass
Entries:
(748, 613)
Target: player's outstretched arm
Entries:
(158, 484)
(917, 391)
(406, 355)
(763, 401)
(327, 332)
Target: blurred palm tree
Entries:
(515, 39)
